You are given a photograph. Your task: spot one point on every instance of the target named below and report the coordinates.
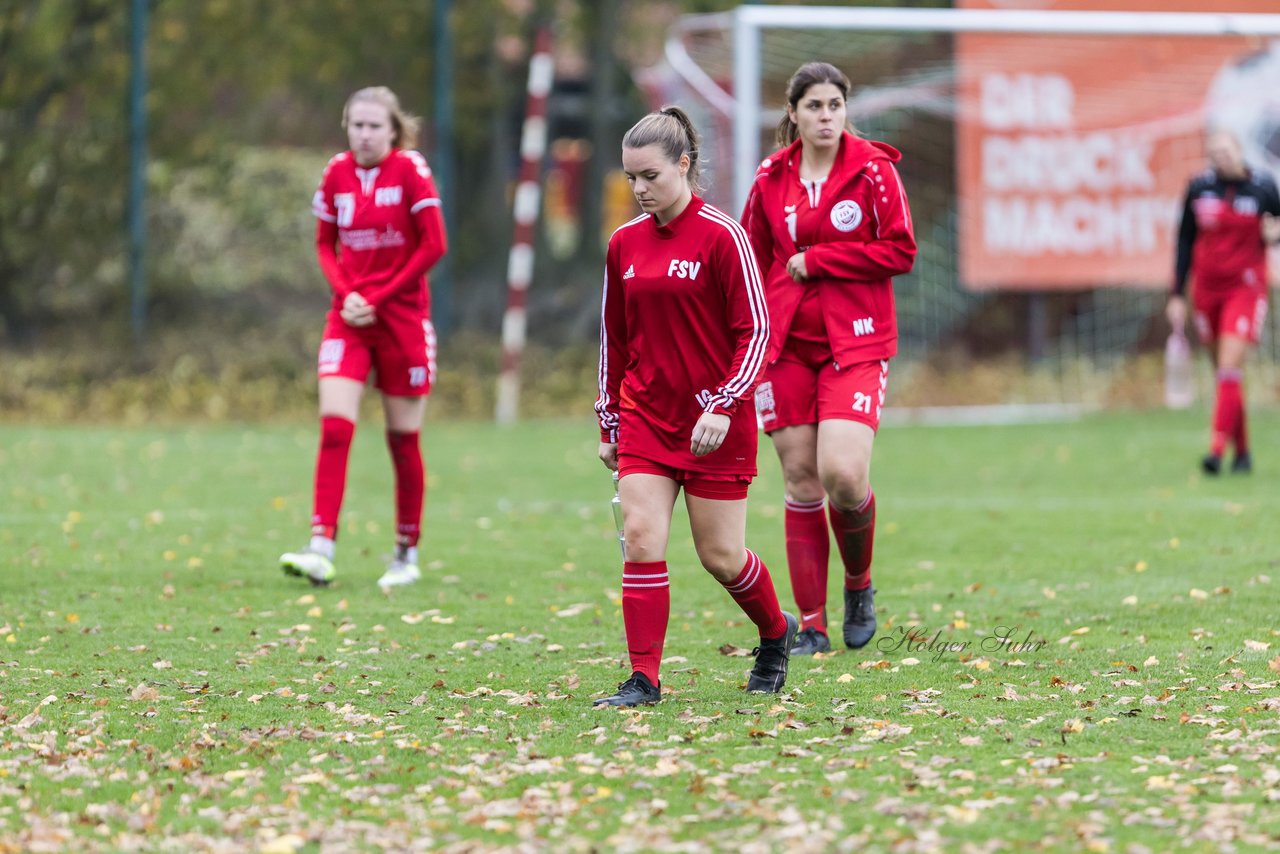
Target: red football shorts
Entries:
(718, 487)
(400, 350)
(1238, 311)
(804, 386)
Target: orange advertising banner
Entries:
(1074, 152)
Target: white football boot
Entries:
(402, 569)
(314, 563)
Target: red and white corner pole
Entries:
(528, 202)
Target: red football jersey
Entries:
(684, 330)
(379, 230)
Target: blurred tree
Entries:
(61, 143)
(227, 76)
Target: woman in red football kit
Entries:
(683, 333)
(1227, 220)
(830, 225)
(379, 230)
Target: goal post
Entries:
(1045, 153)
(749, 21)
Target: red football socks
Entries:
(808, 550)
(406, 457)
(855, 532)
(331, 474)
(1242, 430)
(646, 608)
(1228, 411)
(754, 593)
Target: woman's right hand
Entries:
(356, 310)
(797, 267)
(609, 455)
(1175, 310)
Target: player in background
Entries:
(379, 230)
(683, 334)
(1227, 220)
(830, 225)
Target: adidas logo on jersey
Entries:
(631, 272)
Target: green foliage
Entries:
(61, 143)
(230, 81)
(258, 202)
(163, 686)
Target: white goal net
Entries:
(1045, 154)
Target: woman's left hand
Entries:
(708, 433)
(1270, 228)
(796, 267)
(356, 310)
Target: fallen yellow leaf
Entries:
(286, 844)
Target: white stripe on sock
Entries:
(865, 502)
(646, 579)
(752, 573)
(804, 506)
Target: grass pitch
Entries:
(1077, 651)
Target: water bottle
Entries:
(616, 503)
(1179, 389)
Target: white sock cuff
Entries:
(322, 546)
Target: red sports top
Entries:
(379, 230)
(855, 231)
(684, 329)
(1220, 238)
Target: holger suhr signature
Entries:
(1003, 640)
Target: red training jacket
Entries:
(684, 329)
(379, 230)
(855, 232)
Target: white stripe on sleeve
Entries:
(753, 360)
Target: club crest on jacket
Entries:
(846, 215)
